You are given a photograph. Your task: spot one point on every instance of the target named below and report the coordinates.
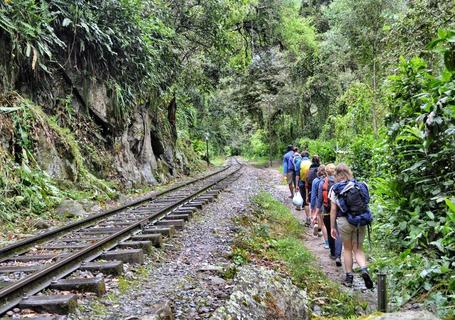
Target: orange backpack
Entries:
(325, 193)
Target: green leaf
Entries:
(439, 245)
(450, 204)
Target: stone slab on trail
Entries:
(260, 293)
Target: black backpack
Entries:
(312, 174)
(356, 207)
(355, 201)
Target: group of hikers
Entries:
(335, 206)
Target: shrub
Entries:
(324, 149)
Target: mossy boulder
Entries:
(260, 293)
(70, 209)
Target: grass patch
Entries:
(218, 161)
(261, 162)
(271, 235)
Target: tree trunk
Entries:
(374, 106)
(171, 116)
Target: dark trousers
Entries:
(335, 245)
(302, 191)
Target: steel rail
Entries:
(12, 295)
(20, 246)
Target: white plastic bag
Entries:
(297, 200)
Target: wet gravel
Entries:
(189, 273)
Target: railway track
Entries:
(101, 243)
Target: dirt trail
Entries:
(315, 244)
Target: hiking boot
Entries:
(308, 222)
(368, 282)
(315, 229)
(332, 257)
(326, 245)
(338, 261)
(349, 280)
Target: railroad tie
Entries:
(30, 258)
(100, 230)
(155, 238)
(193, 204)
(168, 231)
(95, 285)
(13, 269)
(178, 224)
(133, 256)
(188, 207)
(184, 210)
(113, 267)
(145, 245)
(62, 246)
(206, 198)
(177, 216)
(60, 304)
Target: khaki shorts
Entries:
(290, 177)
(348, 232)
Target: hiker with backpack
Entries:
(311, 175)
(302, 172)
(318, 225)
(323, 205)
(349, 210)
(297, 160)
(288, 168)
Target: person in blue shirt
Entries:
(318, 227)
(288, 168)
(297, 161)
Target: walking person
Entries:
(323, 205)
(302, 173)
(318, 224)
(311, 175)
(297, 160)
(349, 210)
(288, 168)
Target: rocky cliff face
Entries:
(139, 150)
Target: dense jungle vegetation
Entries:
(366, 82)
